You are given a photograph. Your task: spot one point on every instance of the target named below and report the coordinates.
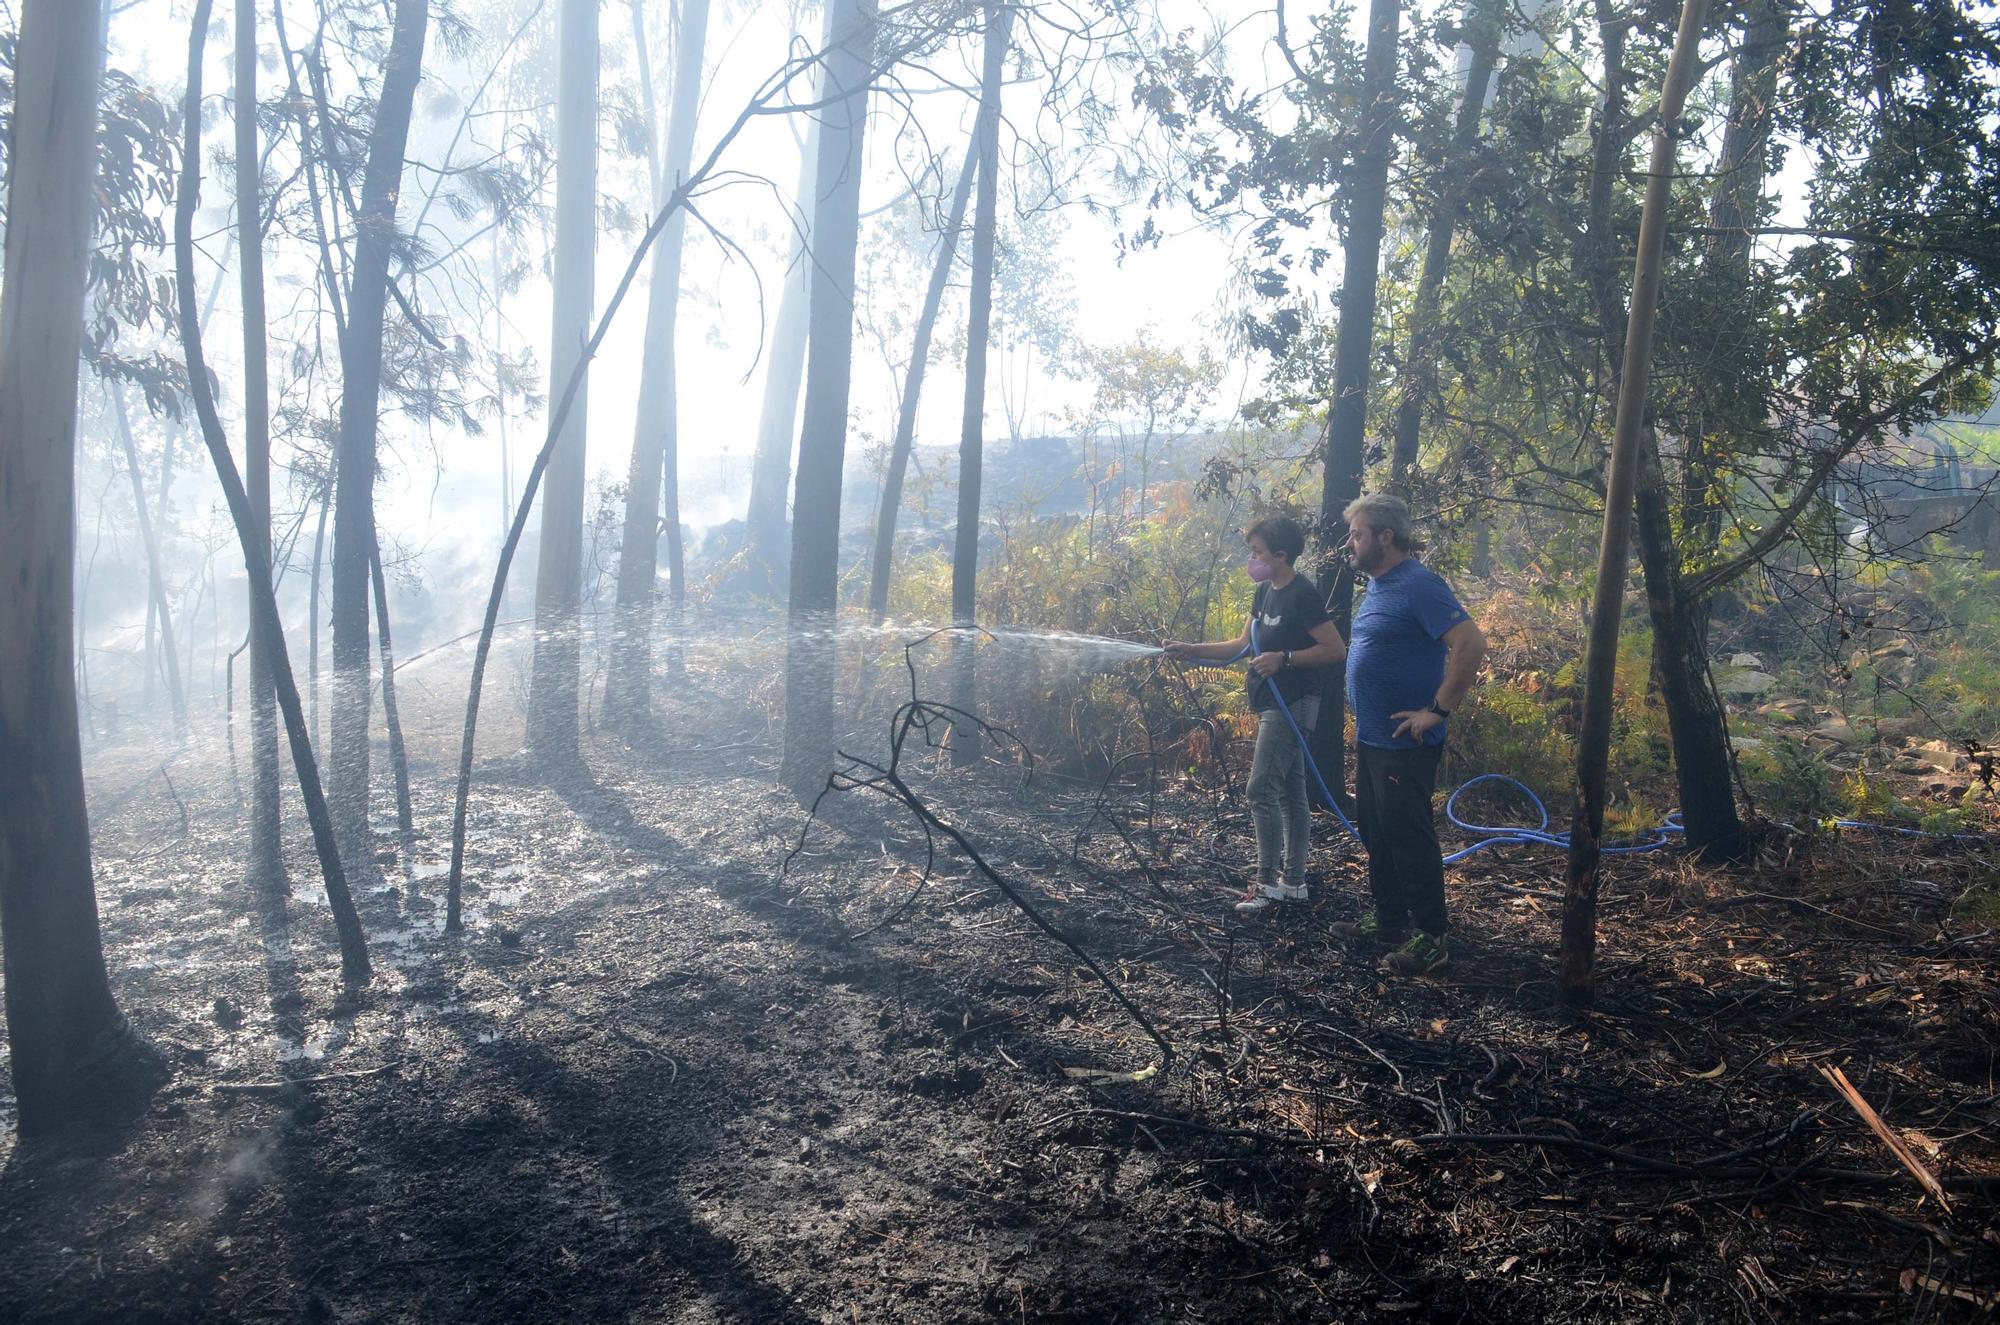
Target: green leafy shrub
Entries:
(1790, 782)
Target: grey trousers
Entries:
(1278, 804)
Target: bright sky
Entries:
(1172, 292)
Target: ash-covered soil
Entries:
(656, 1080)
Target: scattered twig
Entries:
(1896, 1145)
(277, 1087)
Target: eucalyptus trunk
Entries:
(652, 488)
(1347, 415)
(552, 694)
(1484, 21)
(267, 857)
(765, 525)
(355, 453)
(913, 386)
(256, 562)
(1695, 720)
(399, 757)
(1593, 741)
(972, 430)
(815, 570)
(71, 1052)
(156, 582)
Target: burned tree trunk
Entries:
(913, 387)
(72, 1053)
(972, 431)
(765, 524)
(552, 690)
(652, 487)
(267, 857)
(1593, 742)
(1347, 416)
(809, 661)
(263, 599)
(360, 400)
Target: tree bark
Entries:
(766, 527)
(809, 660)
(761, 104)
(913, 386)
(1607, 165)
(312, 598)
(1680, 666)
(71, 1052)
(972, 428)
(1347, 417)
(156, 583)
(1695, 720)
(399, 758)
(360, 401)
(652, 487)
(552, 692)
(264, 601)
(267, 857)
(1593, 742)
(1483, 24)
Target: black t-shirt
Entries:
(1284, 619)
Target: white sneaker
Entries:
(1263, 895)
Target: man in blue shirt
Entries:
(1413, 652)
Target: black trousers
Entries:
(1393, 790)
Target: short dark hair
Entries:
(1281, 533)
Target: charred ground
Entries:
(655, 1079)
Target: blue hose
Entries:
(1489, 835)
(1494, 835)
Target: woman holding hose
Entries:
(1289, 638)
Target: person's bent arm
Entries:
(1211, 651)
(1461, 665)
(1327, 648)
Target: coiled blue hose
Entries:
(1494, 835)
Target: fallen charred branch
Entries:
(931, 721)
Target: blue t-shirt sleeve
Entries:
(1435, 606)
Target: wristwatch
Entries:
(1438, 709)
(1288, 657)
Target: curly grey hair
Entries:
(1384, 513)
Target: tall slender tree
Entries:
(1347, 415)
(267, 858)
(1593, 741)
(256, 563)
(652, 486)
(1680, 623)
(972, 427)
(913, 387)
(70, 1049)
(809, 661)
(765, 525)
(552, 694)
(360, 404)
(1484, 23)
(156, 581)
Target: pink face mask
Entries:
(1260, 570)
